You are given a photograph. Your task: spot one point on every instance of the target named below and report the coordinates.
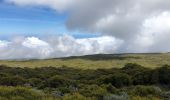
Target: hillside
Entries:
(151, 60)
(80, 79)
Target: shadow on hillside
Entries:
(103, 57)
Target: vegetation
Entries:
(132, 82)
(152, 60)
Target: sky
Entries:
(61, 28)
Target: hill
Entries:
(151, 60)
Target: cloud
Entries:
(154, 36)
(40, 46)
(33, 47)
(125, 25)
(158, 29)
(33, 42)
(3, 44)
(119, 18)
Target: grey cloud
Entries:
(128, 16)
(94, 15)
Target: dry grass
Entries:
(146, 60)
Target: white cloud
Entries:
(3, 44)
(33, 42)
(154, 36)
(33, 47)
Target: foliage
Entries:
(132, 82)
(19, 93)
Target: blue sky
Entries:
(34, 21)
(16, 20)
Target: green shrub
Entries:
(164, 74)
(122, 96)
(143, 78)
(19, 93)
(145, 91)
(58, 81)
(133, 68)
(165, 95)
(35, 82)
(75, 97)
(93, 91)
(118, 80)
(12, 81)
(144, 98)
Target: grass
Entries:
(19, 93)
(152, 60)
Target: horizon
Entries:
(45, 29)
(114, 54)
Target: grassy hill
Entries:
(151, 60)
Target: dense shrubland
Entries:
(132, 82)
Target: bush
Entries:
(58, 81)
(35, 82)
(164, 74)
(165, 95)
(144, 98)
(19, 93)
(93, 91)
(75, 97)
(110, 88)
(133, 69)
(12, 81)
(143, 78)
(145, 91)
(70, 83)
(122, 96)
(118, 80)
